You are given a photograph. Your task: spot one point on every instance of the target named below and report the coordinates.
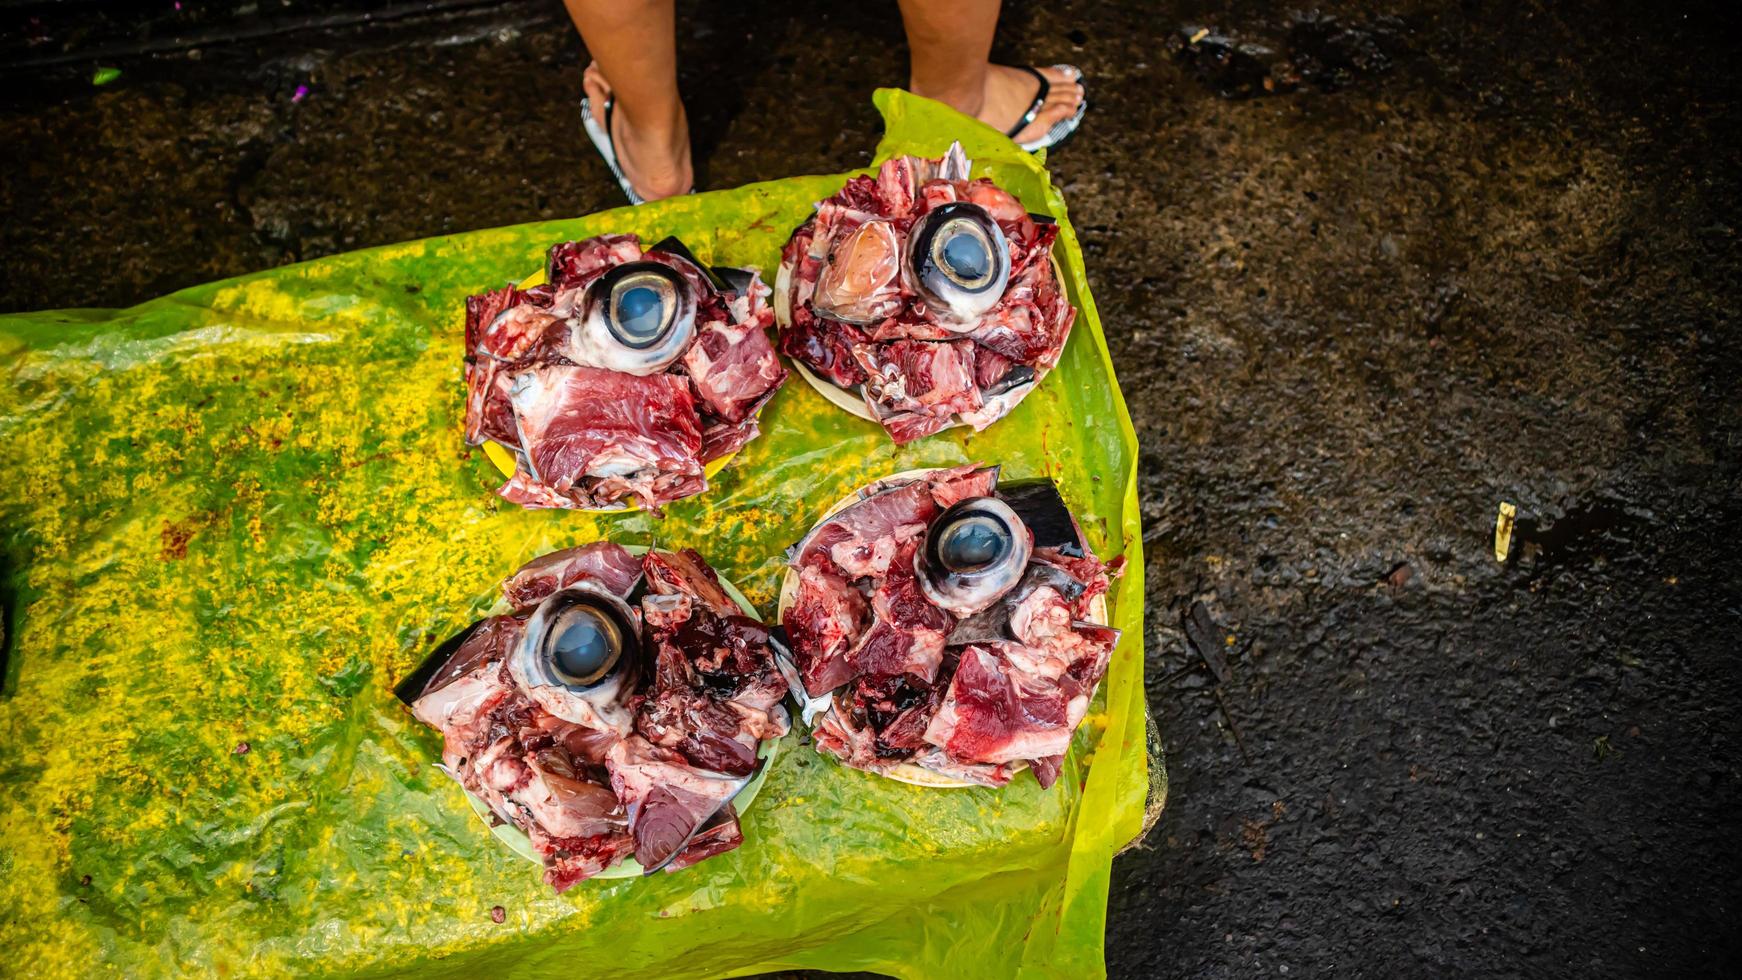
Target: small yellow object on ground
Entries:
(1503, 530)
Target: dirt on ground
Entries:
(1368, 272)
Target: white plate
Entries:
(906, 772)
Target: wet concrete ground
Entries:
(1366, 274)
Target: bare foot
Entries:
(654, 157)
(1010, 91)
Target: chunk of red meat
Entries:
(569, 861)
(733, 368)
(900, 602)
(994, 712)
(845, 734)
(653, 488)
(578, 422)
(717, 688)
(999, 203)
(916, 387)
(1046, 770)
(990, 367)
(898, 708)
(732, 658)
(672, 572)
(895, 708)
(719, 835)
(563, 803)
(936, 192)
(570, 264)
(522, 489)
(519, 333)
(665, 613)
(729, 657)
(725, 438)
(487, 645)
(877, 722)
(958, 483)
(826, 347)
(826, 615)
(586, 745)
(862, 538)
(700, 728)
(483, 309)
(460, 694)
(668, 800)
(489, 411)
(603, 563)
(883, 650)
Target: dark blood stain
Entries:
(176, 535)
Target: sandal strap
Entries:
(1034, 107)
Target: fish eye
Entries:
(959, 260)
(973, 542)
(974, 552)
(637, 318)
(961, 250)
(582, 645)
(641, 306)
(579, 657)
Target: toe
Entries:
(1061, 102)
(597, 88)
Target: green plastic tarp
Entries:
(236, 515)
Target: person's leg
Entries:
(951, 42)
(634, 48)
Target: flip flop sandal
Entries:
(1060, 130)
(600, 134)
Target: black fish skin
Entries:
(1039, 504)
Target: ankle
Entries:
(967, 96)
(659, 140)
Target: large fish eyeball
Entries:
(578, 657)
(638, 318)
(973, 554)
(959, 260)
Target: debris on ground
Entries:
(1503, 524)
(1314, 51)
(1205, 638)
(1398, 576)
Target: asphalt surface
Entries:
(1367, 274)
